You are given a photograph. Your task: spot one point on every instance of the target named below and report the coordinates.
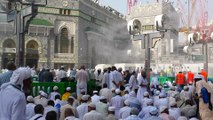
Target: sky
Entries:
(121, 5)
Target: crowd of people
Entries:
(118, 95)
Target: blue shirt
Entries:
(5, 77)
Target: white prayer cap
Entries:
(149, 101)
(19, 75)
(153, 110)
(91, 105)
(71, 97)
(132, 94)
(62, 66)
(157, 92)
(55, 88)
(182, 118)
(102, 98)
(146, 94)
(68, 88)
(162, 108)
(117, 91)
(30, 98)
(185, 87)
(172, 103)
(126, 102)
(111, 108)
(43, 94)
(95, 91)
(84, 97)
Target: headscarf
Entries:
(18, 76)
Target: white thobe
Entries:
(102, 108)
(144, 113)
(36, 116)
(63, 108)
(82, 110)
(82, 78)
(118, 103)
(191, 88)
(106, 79)
(12, 104)
(175, 112)
(133, 83)
(43, 101)
(126, 96)
(155, 81)
(93, 115)
(71, 118)
(99, 78)
(144, 102)
(29, 110)
(134, 102)
(143, 89)
(115, 76)
(106, 93)
(95, 99)
(185, 95)
(50, 108)
(161, 102)
(124, 112)
(53, 94)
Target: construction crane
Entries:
(130, 4)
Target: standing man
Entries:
(190, 77)
(115, 78)
(13, 102)
(180, 81)
(5, 77)
(82, 78)
(99, 79)
(61, 75)
(204, 74)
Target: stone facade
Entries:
(71, 33)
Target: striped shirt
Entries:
(5, 77)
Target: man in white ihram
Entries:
(82, 78)
(13, 102)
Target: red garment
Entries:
(204, 74)
(190, 77)
(180, 79)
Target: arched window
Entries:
(32, 45)
(64, 41)
(9, 44)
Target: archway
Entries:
(9, 52)
(32, 54)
